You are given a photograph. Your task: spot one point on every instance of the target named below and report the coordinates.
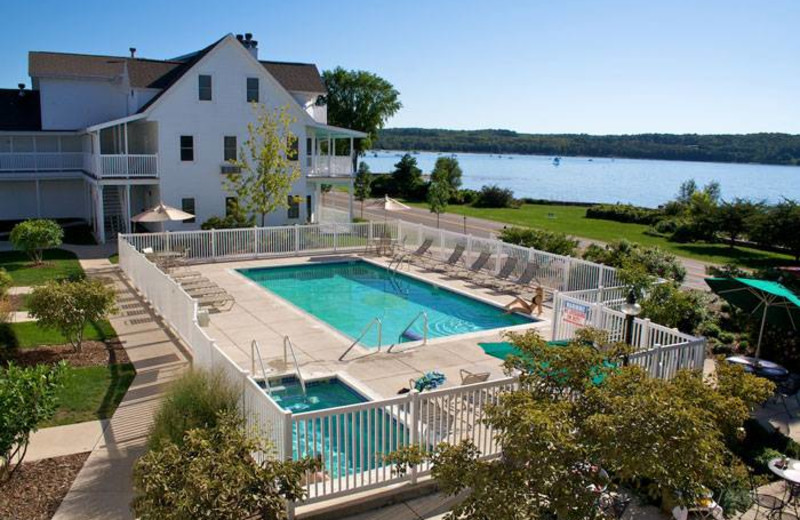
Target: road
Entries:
(695, 269)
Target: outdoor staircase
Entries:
(114, 220)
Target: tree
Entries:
(780, 226)
(235, 218)
(439, 193)
(361, 184)
(577, 409)
(685, 191)
(267, 162)
(361, 101)
(688, 311)
(213, 475)
(69, 306)
(27, 398)
(407, 176)
(448, 170)
(493, 196)
(34, 236)
(624, 253)
(736, 218)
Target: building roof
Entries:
(160, 74)
(20, 112)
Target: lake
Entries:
(581, 179)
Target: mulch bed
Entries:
(37, 488)
(93, 353)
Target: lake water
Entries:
(581, 179)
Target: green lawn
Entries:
(91, 393)
(29, 334)
(572, 220)
(114, 259)
(58, 264)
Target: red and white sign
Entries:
(575, 314)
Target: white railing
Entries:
(42, 162)
(612, 297)
(129, 165)
(650, 340)
(330, 166)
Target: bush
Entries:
(214, 475)
(5, 282)
(493, 196)
(552, 242)
(687, 311)
(34, 236)
(229, 222)
(623, 253)
(68, 306)
(667, 226)
(683, 233)
(27, 398)
(195, 400)
(465, 196)
(624, 213)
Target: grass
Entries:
(58, 263)
(114, 259)
(572, 220)
(91, 393)
(29, 334)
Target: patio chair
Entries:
(443, 419)
(469, 378)
(453, 260)
(508, 267)
(478, 264)
(764, 502)
(613, 505)
(786, 390)
(524, 280)
(419, 254)
(218, 302)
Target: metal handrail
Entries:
(253, 349)
(422, 314)
(366, 329)
(288, 343)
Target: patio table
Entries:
(790, 474)
(760, 367)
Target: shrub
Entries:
(34, 236)
(5, 282)
(68, 306)
(624, 213)
(668, 305)
(27, 397)
(229, 222)
(464, 196)
(493, 196)
(213, 475)
(667, 226)
(622, 253)
(684, 232)
(552, 242)
(195, 400)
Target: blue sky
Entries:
(708, 66)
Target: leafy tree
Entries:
(577, 409)
(621, 253)
(27, 397)
(407, 176)
(685, 191)
(688, 311)
(448, 170)
(438, 194)
(34, 236)
(361, 101)
(69, 306)
(493, 196)
(361, 184)
(267, 169)
(550, 241)
(780, 225)
(213, 475)
(235, 218)
(736, 218)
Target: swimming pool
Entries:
(350, 442)
(348, 295)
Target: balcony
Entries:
(43, 162)
(128, 166)
(331, 166)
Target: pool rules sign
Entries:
(575, 314)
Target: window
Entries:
(231, 206)
(252, 90)
(294, 207)
(308, 207)
(204, 87)
(292, 147)
(187, 148)
(229, 148)
(187, 205)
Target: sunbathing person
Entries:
(535, 303)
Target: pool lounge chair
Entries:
(452, 261)
(477, 266)
(524, 280)
(491, 279)
(419, 254)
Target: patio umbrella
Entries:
(162, 213)
(388, 204)
(770, 300)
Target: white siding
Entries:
(59, 199)
(73, 104)
(179, 112)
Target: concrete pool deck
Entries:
(261, 315)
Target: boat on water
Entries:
(556, 161)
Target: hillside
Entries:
(764, 148)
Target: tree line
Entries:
(765, 148)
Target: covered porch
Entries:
(125, 148)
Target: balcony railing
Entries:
(333, 166)
(43, 162)
(129, 165)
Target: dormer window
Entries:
(204, 87)
(252, 90)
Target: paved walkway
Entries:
(103, 487)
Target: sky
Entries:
(597, 67)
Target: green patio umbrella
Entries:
(771, 300)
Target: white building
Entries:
(104, 137)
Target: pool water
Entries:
(348, 295)
(353, 441)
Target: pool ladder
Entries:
(288, 346)
(405, 333)
(375, 321)
(253, 351)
